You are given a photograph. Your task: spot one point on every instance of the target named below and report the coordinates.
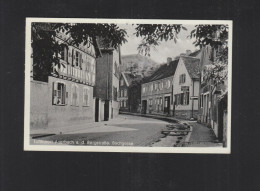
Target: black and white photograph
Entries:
(128, 85)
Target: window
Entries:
(59, 94)
(151, 87)
(201, 100)
(121, 82)
(150, 102)
(74, 95)
(78, 59)
(125, 94)
(168, 83)
(122, 93)
(64, 53)
(182, 98)
(186, 98)
(143, 89)
(182, 79)
(156, 86)
(86, 96)
(114, 93)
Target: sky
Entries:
(164, 50)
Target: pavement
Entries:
(202, 136)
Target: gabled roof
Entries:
(192, 66)
(129, 77)
(164, 71)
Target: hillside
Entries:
(141, 64)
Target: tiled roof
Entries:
(130, 77)
(163, 71)
(192, 66)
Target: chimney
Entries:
(188, 52)
(169, 59)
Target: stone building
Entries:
(66, 96)
(130, 92)
(107, 83)
(157, 90)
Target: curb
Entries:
(153, 116)
(42, 135)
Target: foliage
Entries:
(46, 49)
(215, 36)
(153, 34)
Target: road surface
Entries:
(127, 131)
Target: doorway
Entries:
(144, 106)
(167, 105)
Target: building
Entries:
(130, 92)
(66, 95)
(107, 83)
(186, 87)
(157, 90)
(212, 96)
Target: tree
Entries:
(216, 36)
(153, 34)
(46, 49)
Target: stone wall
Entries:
(185, 114)
(38, 104)
(61, 115)
(46, 115)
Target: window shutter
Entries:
(80, 60)
(72, 57)
(188, 98)
(54, 93)
(66, 95)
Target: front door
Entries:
(167, 105)
(144, 106)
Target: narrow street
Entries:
(125, 131)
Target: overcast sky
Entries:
(164, 50)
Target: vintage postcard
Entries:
(127, 85)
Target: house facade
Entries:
(66, 97)
(212, 107)
(107, 84)
(157, 90)
(186, 88)
(130, 92)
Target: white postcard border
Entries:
(202, 150)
